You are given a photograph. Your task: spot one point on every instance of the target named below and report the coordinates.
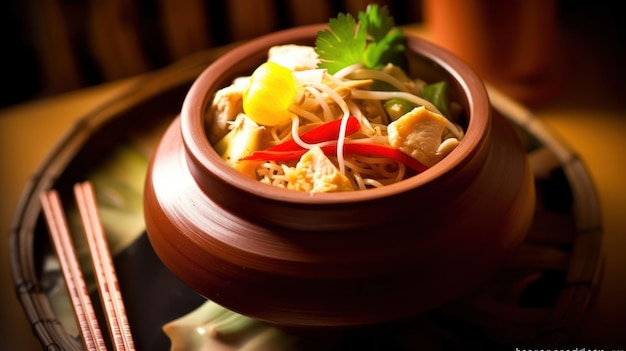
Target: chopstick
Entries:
(108, 287)
(76, 287)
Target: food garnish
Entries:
(374, 41)
(328, 131)
(365, 149)
(343, 115)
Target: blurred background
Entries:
(55, 47)
(52, 46)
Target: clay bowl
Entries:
(340, 259)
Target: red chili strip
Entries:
(380, 150)
(326, 132)
(358, 149)
(279, 156)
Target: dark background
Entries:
(23, 77)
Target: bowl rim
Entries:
(204, 157)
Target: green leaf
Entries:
(373, 41)
(341, 45)
(377, 20)
(387, 50)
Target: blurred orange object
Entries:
(512, 45)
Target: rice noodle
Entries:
(337, 97)
(378, 75)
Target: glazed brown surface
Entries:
(302, 260)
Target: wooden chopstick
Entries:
(76, 287)
(108, 287)
(106, 278)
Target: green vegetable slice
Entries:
(397, 108)
(437, 93)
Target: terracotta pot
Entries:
(338, 259)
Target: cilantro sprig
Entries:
(373, 41)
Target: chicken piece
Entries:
(419, 134)
(294, 57)
(243, 138)
(227, 104)
(315, 173)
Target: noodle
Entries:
(308, 115)
(328, 98)
(328, 115)
(378, 75)
(347, 70)
(386, 95)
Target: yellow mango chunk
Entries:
(270, 92)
